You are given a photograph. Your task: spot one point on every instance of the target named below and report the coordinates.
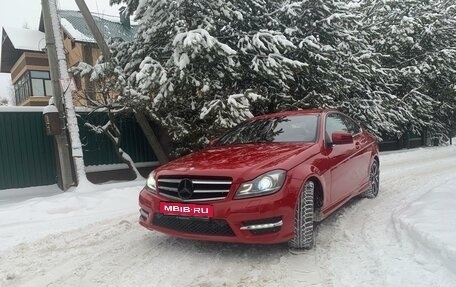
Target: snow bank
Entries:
(431, 220)
(43, 215)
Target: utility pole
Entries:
(94, 29)
(67, 97)
(63, 148)
(139, 115)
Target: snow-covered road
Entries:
(366, 243)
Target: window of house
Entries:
(41, 84)
(38, 88)
(48, 87)
(33, 84)
(39, 75)
(22, 88)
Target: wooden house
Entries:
(23, 54)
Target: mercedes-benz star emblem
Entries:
(185, 189)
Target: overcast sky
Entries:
(20, 13)
(16, 13)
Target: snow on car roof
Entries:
(26, 39)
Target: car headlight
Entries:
(151, 184)
(264, 184)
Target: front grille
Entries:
(193, 225)
(203, 188)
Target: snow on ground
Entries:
(14, 195)
(52, 211)
(404, 237)
(431, 220)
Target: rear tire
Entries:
(304, 224)
(374, 181)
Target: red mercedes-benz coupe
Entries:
(265, 181)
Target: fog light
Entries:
(262, 226)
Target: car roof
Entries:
(294, 113)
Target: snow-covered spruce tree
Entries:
(344, 71)
(361, 63)
(198, 65)
(294, 54)
(418, 43)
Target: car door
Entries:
(361, 157)
(339, 158)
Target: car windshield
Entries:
(302, 128)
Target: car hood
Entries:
(243, 161)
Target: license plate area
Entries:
(186, 209)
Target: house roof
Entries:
(15, 41)
(75, 26)
(26, 39)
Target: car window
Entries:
(352, 126)
(334, 123)
(301, 128)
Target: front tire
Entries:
(304, 224)
(374, 181)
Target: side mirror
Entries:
(341, 138)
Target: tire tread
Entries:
(304, 225)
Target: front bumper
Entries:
(261, 220)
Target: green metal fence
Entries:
(28, 156)
(98, 149)
(406, 141)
